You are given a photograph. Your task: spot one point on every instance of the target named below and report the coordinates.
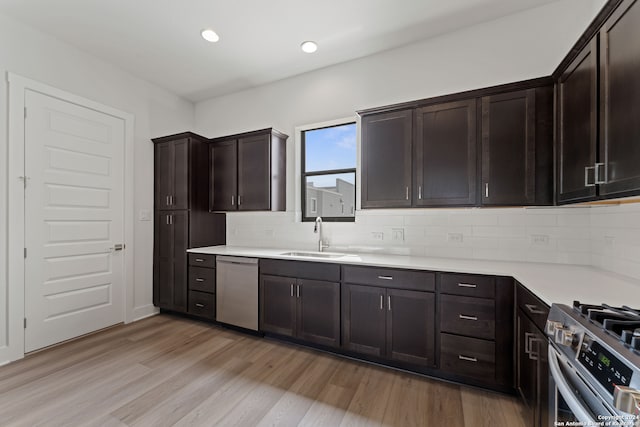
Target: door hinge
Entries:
(25, 323)
(25, 252)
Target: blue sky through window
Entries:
(330, 148)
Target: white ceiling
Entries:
(159, 40)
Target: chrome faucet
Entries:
(318, 229)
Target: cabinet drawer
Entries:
(202, 279)
(202, 260)
(471, 285)
(301, 269)
(202, 304)
(474, 317)
(535, 309)
(468, 357)
(390, 278)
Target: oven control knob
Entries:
(552, 327)
(565, 336)
(627, 400)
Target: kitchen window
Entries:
(329, 173)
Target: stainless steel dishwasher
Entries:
(237, 291)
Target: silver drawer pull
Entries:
(533, 309)
(467, 285)
(199, 305)
(463, 317)
(198, 279)
(199, 260)
(385, 277)
(468, 359)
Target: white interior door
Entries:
(74, 208)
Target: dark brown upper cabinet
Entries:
(445, 154)
(386, 159)
(486, 147)
(577, 132)
(508, 148)
(598, 103)
(618, 167)
(182, 219)
(248, 172)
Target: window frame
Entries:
(304, 174)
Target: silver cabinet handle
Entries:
(199, 260)
(486, 190)
(385, 277)
(233, 201)
(239, 200)
(168, 202)
(528, 336)
(171, 200)
(171, 219)
(533, 309)
(463, 317)
(420, 192)
(466, 358)
(389, 302)
(381, 302)
(297, 291)
(199, 279)
(406, 193)
(586, 176)
(199, 305)
(167, 219)
(596, 173)
(467, 285)
(292, 289)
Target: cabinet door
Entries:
(445, 160)
(620, 102)
(526, 366)
(577, 91)
(170, 268)
(541, 354)
(411, 326)
(254, 173)
(318, 314)
(164, 171)
(223, 186)
(508, 148)
(180, 224)
(363, 319)
(277, 305)
(180, 199)
(386, 160)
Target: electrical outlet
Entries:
(397, 234)
(539, 240)
(144, 215)
(377, 235)
(454, 237)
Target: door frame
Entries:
(17, 85)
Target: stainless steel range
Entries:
(594, 364)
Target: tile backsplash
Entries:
(607, 237)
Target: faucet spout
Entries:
(317, 228)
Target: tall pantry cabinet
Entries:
(181, 216)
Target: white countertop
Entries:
(552, 283)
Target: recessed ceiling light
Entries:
(210, 35)
(309, 47)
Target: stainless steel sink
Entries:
(314, 254)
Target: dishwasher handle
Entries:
(236, 260)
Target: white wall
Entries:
(527, 45)
(29, 53)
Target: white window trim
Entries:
(298, 158)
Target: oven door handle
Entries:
(580, 412)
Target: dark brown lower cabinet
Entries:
(170, 270)
(532, 368)
(305, 309)
(394, 324)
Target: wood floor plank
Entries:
(169, 370)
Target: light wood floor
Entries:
(167, 370)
